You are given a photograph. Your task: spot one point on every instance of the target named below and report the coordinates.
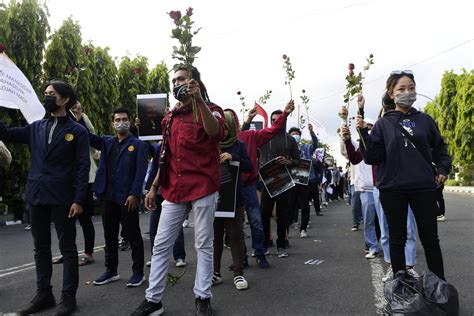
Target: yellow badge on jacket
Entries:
(131, 148)
(69, 137)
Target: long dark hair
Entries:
(387, 102)
(65, 90)
(196, 75)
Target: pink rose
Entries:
(351, 66)
(371, 56)
(175, 15)
(189, 11)
(284, 56)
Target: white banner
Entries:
(16, 91)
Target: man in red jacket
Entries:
(254, 140)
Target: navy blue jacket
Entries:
(400, 165)
(130, 171)
(155, 165)
(59, 172)
(239, 153)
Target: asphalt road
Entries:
(342, 282)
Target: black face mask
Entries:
(180, 92)
(49, 103)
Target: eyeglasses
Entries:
(402, 72)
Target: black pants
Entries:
(440, 200)
(85, 219)
(313, 191)
(282, 212)
(66, 232)
(300, 200)
(395, 205)
(113, 214)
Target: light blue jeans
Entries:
(368, 211)
(171, 220)
(410, 246)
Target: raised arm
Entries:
(15, 134)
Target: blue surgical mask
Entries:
(297, 138)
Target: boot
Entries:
(44, 299)
(67, 305)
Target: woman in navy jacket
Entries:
(405, 173)
(57, 188)
(232, 149)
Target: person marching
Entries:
(254, 139)
(404, 144)
(232, 150)
(284, 148)
(189, 180)
(57, 188)
(119, 181)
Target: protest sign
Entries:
(151, 110)
(276, 178)
(300, 172)
(228, 189)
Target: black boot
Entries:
(203, 307)
(67, 305)
(44, 299)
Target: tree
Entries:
(23, 31)
(452, 109)
(63, 56)
(132, 77)
(158, 79)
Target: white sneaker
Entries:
(388, 276)
(186, 223)
(441, 218)
(413, 273)
(181, 263)
(371, 255)
(303, 234)
(240, 283)
(282, 253)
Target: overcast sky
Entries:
(243, 43)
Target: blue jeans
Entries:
(254, 216)
(356, 208)
(368, 209)
(350, 192)
(410, 246)
(178, 249)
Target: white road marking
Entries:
(377, 274)
(31, 265)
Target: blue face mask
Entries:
(297, 137)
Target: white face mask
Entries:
(297, 138)
(405, 100)
(121, 127)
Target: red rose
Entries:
(351, 73)
(284, 56)
(304, 91)
(351, 66)
(238, 92)
(175, 15)
(189, 11)
(371, 56)
(2, 48)
(137, 70)
(68, 70)
(87, 50)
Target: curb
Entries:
(468, 190)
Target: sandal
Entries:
(58, 260)
(84, 260)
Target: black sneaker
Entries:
(67, 305)
(44, 299)
(148, 308)
(203, 307)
